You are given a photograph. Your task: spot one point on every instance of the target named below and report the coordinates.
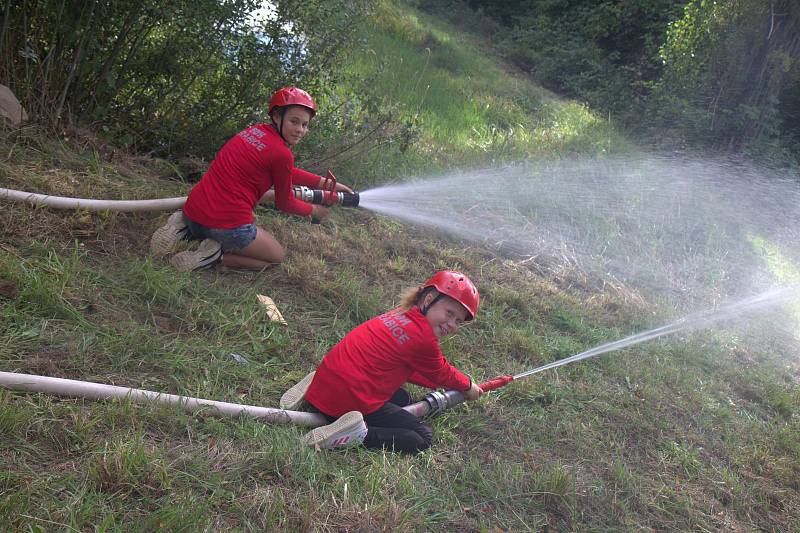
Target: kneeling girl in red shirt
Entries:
(357, 386)
(254, 165)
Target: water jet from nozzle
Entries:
(687, 232)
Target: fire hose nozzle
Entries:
(496, 383)
(348, 199)
(326, 198)
(439, 401)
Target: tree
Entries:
(727, 66)
(168, 76)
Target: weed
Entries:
(688, 458)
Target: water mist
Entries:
(687, 233)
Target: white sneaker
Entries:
(348, 430)
(167, 236)
(294, 397)
(207, 255)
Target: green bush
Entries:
(699, 74)
(170, 78)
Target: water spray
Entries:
(659, 225)
(437, 401)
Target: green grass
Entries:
(693, 432)
(464, 105)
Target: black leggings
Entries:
(393, 428)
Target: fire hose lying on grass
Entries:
(327, 196)
(434, 402)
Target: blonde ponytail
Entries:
(414, 296)
(410, 297)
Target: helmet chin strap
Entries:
(424, 310)
(282, 113)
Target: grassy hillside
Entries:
(455, 103)
(699, 432)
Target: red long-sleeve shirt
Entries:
(375, 359)
(244, 169)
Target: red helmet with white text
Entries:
(292, 96)
(458, 287)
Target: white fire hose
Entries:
(313, 196)
(97, 391)
(432, 403)
(62, 202)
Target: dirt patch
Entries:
(167, 323)
(50, 361)
(748, 393)
(8, 290)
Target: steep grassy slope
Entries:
(688, 434)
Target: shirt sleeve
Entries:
(282, 182)
(304, 177)
(418, 379)
(432, 370)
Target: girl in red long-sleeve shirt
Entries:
(219, 208)
(358, 384)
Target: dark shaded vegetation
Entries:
(689, 75)
(174, 77)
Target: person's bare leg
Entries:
(263, 252)
(243, 262)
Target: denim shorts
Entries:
(232, 240)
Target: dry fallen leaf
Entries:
(272, 309)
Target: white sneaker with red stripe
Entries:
(348, 430)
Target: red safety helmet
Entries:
(292, 96)
(458, 287)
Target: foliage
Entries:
(730, 69)
(169, 77)
(699, 74)
(600, 52)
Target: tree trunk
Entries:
(111, 60)
(79, 53)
